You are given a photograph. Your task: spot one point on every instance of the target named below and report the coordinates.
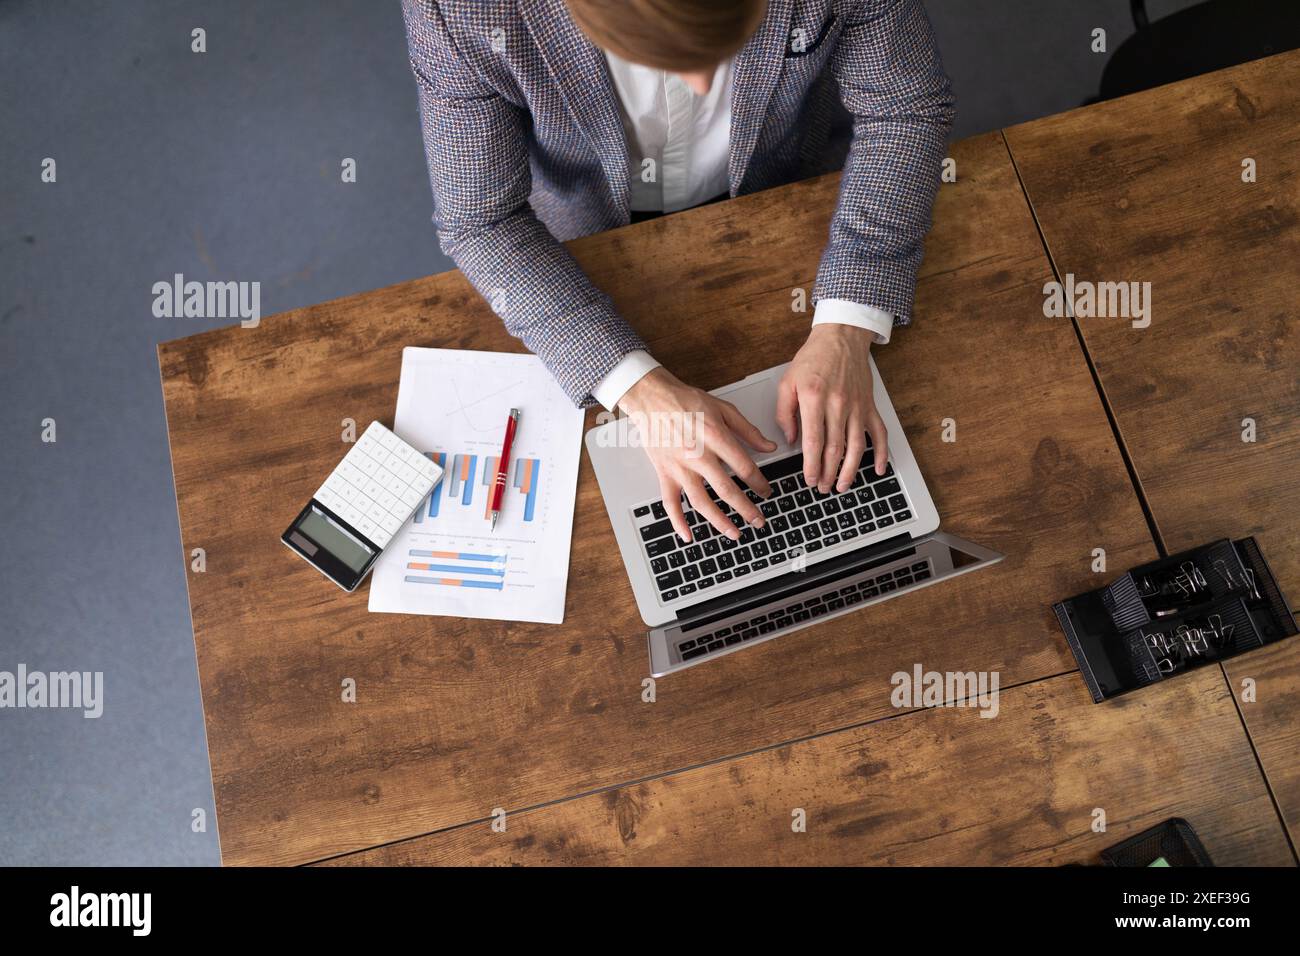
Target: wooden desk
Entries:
(455, 718)
(1150, 188)
(936, 787)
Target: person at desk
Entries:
(545, 120)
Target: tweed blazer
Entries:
(526, 148)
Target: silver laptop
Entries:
(818, 556)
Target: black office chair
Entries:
(1200, 39)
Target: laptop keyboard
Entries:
(805, 609)
(799, 520)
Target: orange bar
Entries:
(527, 484)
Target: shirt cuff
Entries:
(844, 312)
(631, 368)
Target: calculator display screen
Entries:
(335, 540)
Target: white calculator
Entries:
(361, 506)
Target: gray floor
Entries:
(218, 166)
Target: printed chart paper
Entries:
(452, 406)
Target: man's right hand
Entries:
(693, 437)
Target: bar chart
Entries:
(469, 476)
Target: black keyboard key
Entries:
(869, 527)
(763, 532)
(814, 512)
(657, 509)
(722, 577)
(641, 513)
(656, 530)
(884, 522)
(897, 502)
(802, 615)
(705, 583)
(781, 468)
(708, 566)
(811, 531)
(779, 524)
(831, 540)
(831, 506)
(852, 599)
(751, 632)
(669, 580)
(676, 559)
(759, 565)
(694, 653)
(687, 589)
(711, 547)
(803, 498)
(923, 575)
(767, 628)
(795, 537)
(887, 586)
(789, 486)
(716, 646)
(848, 534)
(785, 504)
(742, 570)
(886, 487)
(760, 549)
(817, 610)
(863, 514)
(669, 595)
(685, 645)
(784, 621)
(903, 516)
(828, 526)
(835, 605)
(880, 508)
(734, 639)
(744, 556)
(726, 561)
(694, 553)
(846, 520)
(662, 546)
(848, 501)
(812, 546)
(768, 509)
(798, 518)
(729, 544)
(869, 592)
(920, 566)
(746, 535)
(778, 557)
(691, 573)
(820, 495)
(901, 582)
(659, 565)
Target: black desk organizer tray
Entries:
(1173, 615)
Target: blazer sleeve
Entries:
(892, 81)
(476, 145)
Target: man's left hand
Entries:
(827, 395)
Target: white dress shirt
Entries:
(677, 145)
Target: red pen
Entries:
(503, 465)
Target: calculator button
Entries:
(387, 439)
(404, 451)
(367, 465)
(390, 523)
(352, 516)
(367, 527)
(387, 500)
(380, 537)
(407, 473)
(372, 488)
(411, 497)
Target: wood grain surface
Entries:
(934, 787)
(1149, 188)
(454, 717)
